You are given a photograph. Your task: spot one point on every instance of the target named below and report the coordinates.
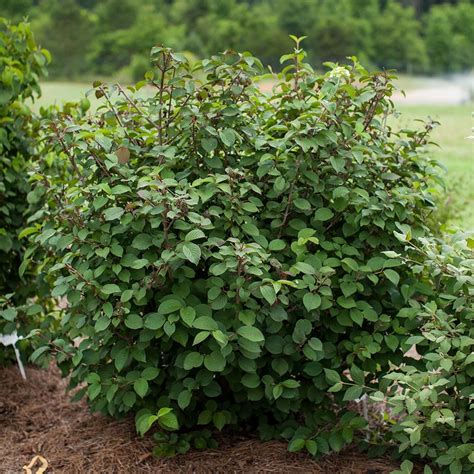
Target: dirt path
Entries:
(449, 94)
(433, 91)
(37, 418)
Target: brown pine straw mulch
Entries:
(38, 418)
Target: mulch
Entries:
(38, 418)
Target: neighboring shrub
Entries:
(222, 250)
(22, 63)
(433, 403)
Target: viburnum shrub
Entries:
(223, 251)
(22, 63)
(433, 399)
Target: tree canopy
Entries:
(89, 38)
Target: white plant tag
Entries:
(11, 340)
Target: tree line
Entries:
(90, 38)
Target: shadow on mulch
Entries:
(37, 418)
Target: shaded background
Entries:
(90, 38)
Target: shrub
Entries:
(433, 402)
(22, 63)
(228, 256)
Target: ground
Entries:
(37, 418)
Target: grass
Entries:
(59, 92)
(455, 151)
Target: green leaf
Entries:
(169, 306)
(296, 445)
(9, 314)
(200, 336)
(209, 144)
(205, 323)
(120, 189)
(142, 242)
(352, 393)
(141, 387)
(139, 263)
(315, 344)
(336, 387)
(111, 392)
(323, 214)
(154, 321)
(311, 301)
(143, 419)
(357, 375)
(250, 229)
(392, 275)
(250, 380)
(108, 309)
(192, 252)
(214, 362)
(268, 292)
(192, 360)
(290, 383)
(332, 376)
(120, 358)
(38, 353)
(347, 303)
(305, 268)
(311, 446)
(219, 420)
(110, 289)
(126, 296)
(204, 417)
(184, 399)
(113, 213)
(276, 245)
(302, 204)
(188, 314)
(134, 321)
(102, 323)
(94, 390)
(277, 391)
(227, 136)
(194, 234)
(337, 164)
(150, 373)
(350, 263)
(167, 419)
(348, 288)
(251, 333)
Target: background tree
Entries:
(397, 40)
(109, 37)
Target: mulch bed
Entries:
(38, 418)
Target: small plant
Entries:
(229, 257)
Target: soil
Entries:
(37, 418)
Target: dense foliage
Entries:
(22, 63)
(110, 37)
(230, 257)
(433, 400)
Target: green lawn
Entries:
(455, 152)
(59, 92)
